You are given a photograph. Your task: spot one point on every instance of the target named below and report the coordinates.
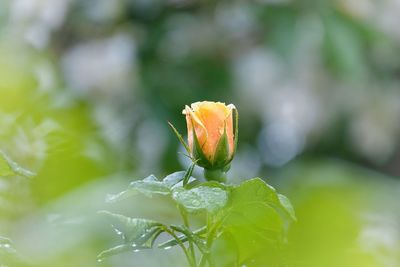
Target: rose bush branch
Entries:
(252, 214)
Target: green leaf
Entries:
(148, 186)
(200, 198)
(255, 218)
(152, 186)
(252, 205)
(8, 167)
(114, 251)
(261, 192)
(180, 137)
(285, 202)
(173, 178)
(138, 234)
(133, 231)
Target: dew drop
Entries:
(136, 250)
(116, 230)
(99, 260)
(166, 248)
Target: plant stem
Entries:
(188, 257)
(186, 223)
(215, 175)
(210, 238)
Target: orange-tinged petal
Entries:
(213, 116)
(193, 121)
(209, 120)
(190, 131)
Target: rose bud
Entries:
(211, 136)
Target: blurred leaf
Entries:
(148, 186)
(344, 47)
(280, 21)
(114, 251)
(9, 167)
(137, 233)
(204, 197)
(8, 254)
(131, 229)
(5, 246)
(151, 185)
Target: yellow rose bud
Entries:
(211, 135)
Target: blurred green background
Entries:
(87, 88)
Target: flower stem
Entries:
(206, 257)
(215, 175)
(186, 223)
(188, 257)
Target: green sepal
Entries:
(235, 138)
(221, 156)
(198, 154)
(188, 173)
(180, 138)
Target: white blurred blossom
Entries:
(101, 67)
(286, 100)
(37, 19)
(150, 145)
(373, 132)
